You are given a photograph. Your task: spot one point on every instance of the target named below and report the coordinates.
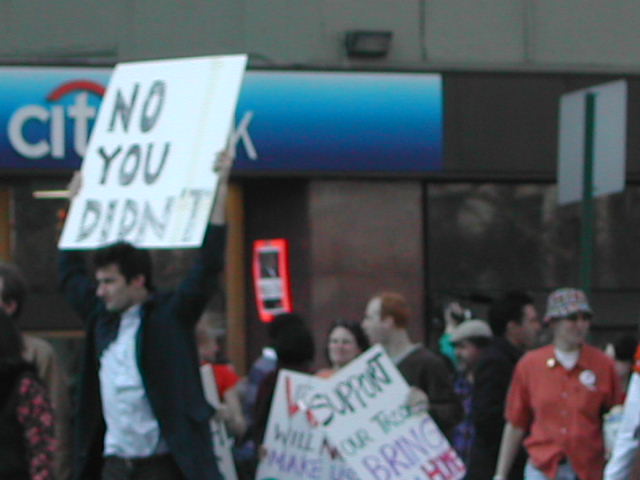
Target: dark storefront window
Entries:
(484, 238)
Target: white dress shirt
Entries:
(132, 428)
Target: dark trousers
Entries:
(158, 467)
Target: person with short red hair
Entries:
(385, 322)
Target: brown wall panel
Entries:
(366, 237)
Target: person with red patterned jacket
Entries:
(386, 321)
(39, 353)
(27, 440)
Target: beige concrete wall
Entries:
(568, 35)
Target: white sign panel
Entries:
(609, 141)
(363, 410)
(354, 425)
(296, 449)
(147, 174)
(222, 443)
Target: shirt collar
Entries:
(405, 353)
(581, 364)
(131, 313)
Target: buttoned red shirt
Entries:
(561, 410)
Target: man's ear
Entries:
(511, 326)
(139, 281)
(388, 321)
(10, 307)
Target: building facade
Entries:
(377, 185)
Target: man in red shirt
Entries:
(557, 396)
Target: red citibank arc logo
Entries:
(80, 113)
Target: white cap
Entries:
(471, 329)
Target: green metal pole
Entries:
(588, 211)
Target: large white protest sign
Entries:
(295, 448)
(362, 409)
(222, 443)
(148, 172)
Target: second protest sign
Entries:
(355, 424)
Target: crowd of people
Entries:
(538, 409)
(511, 407)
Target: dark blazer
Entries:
(167, 358)
(492, 377)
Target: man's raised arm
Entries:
(202, 279)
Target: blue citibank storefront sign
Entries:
(287, 121)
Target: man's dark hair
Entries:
(14, 287)
(294, 344)
(131, 261)
(282, 321)
(508, 308)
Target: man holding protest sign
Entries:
(148, 181)
(385, 322)
(142, 413)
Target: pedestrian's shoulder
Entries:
(596, 355)
(493, 353)
(159, 297)
(533, 357)
(262, 366)
(38, 351)
(37, 344)
(423, 355)
(493, 357)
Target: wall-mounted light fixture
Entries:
(367, 43)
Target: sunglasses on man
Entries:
(574, 317)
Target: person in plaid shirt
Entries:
(469, 338)
(27, 442)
